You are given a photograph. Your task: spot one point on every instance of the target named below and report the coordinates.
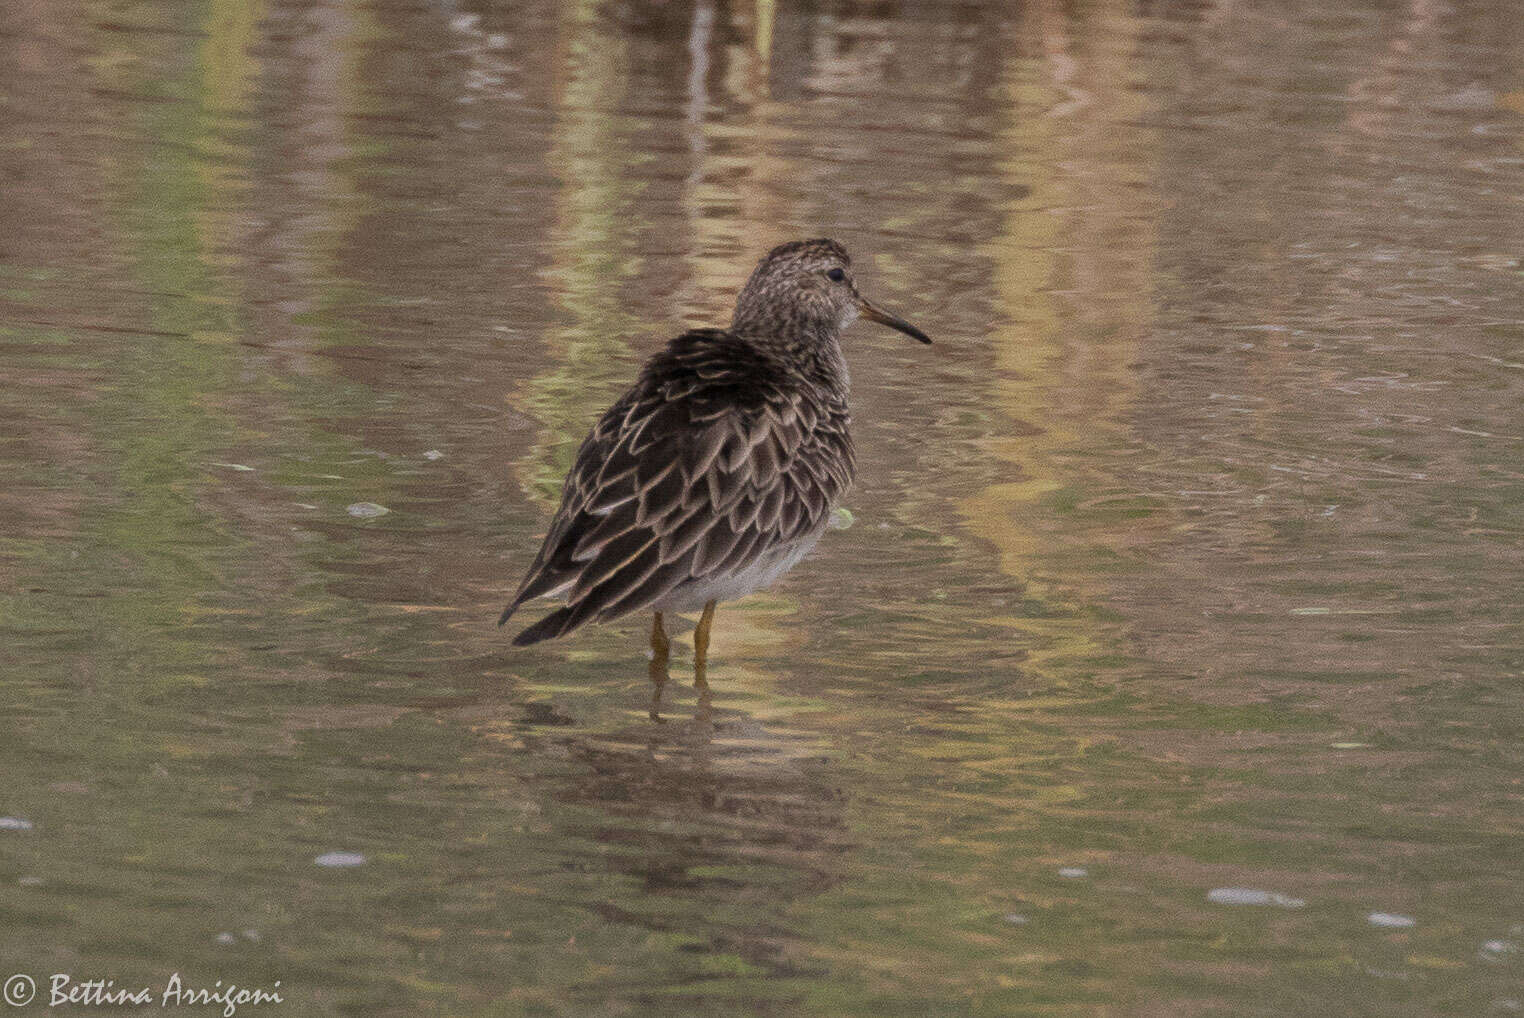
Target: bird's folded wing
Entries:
(682, 485)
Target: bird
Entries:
(719, 469)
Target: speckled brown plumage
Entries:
(719, 468)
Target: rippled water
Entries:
(1172, 665)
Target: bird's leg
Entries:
(701, 646)
(658, 667)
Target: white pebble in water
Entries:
(433, 454)
(29, 881)
(1391, 920)
(226, 938)
(1252, 896)
(367, 510)
(1016, 919)
(14, 824)
(1073, 872)
(340, 859)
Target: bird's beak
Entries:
(874, 313)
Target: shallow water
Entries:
(1172, 665)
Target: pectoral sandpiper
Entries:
(718, 470)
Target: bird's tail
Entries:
(557, 623)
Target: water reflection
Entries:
(1186, 563)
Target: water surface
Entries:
(1172, 661)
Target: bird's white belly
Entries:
(758, 574)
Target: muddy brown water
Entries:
(1172, 663)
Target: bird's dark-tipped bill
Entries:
(874, 313)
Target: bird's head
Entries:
(806, 286)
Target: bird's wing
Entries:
(699, 468)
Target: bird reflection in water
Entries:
(721, 823)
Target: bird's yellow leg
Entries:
(701, 646)
(660, 645)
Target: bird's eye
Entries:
(836, 275)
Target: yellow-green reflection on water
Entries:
(1186, 561)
